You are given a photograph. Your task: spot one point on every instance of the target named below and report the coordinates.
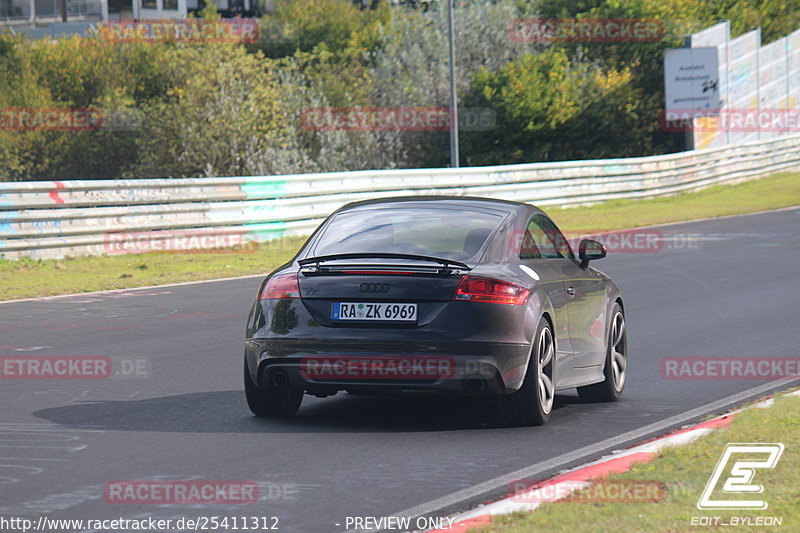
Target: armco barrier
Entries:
(56, 219)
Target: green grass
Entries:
(773, 192)
(27, 278)
(30, 278)
(684, 471)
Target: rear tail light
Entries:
(280, 286)
(475, 289)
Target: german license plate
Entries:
(374, 311)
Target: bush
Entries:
(333, 25)
(551, 108)
(174, 109)
(221, 105)
(411, 68)
(74, 73)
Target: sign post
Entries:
(691, 85)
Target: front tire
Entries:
(616, 367)
(275, 402)
(532, 404)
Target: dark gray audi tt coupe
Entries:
(453, 294)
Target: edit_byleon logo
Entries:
(745, 460)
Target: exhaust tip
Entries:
(279, 378)
(474, 385)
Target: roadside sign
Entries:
(691, 81)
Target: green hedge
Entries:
(209, 108)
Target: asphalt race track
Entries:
(173, 409)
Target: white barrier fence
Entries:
(57, 219)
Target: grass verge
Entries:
(31, 278)
(683, 472)
(773, 192)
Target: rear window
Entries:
(445, 233)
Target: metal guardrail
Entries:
(54, 219)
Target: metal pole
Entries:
(688, 135)
(728, 63)
(453, 96)
(787, 50)
(758, 82)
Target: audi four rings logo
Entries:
(374, 287)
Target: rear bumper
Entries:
(325, 366)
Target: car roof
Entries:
(466, 202)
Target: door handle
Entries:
(571, 290)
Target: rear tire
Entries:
(275, 402)
(616, 367)
(532, 404)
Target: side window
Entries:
(556, 237)
(543, 240)
(528, 249)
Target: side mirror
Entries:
(590, 250)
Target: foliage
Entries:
(551, 108)
(186, 109)
(334, 25)
(221, 105)
(209, 13)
